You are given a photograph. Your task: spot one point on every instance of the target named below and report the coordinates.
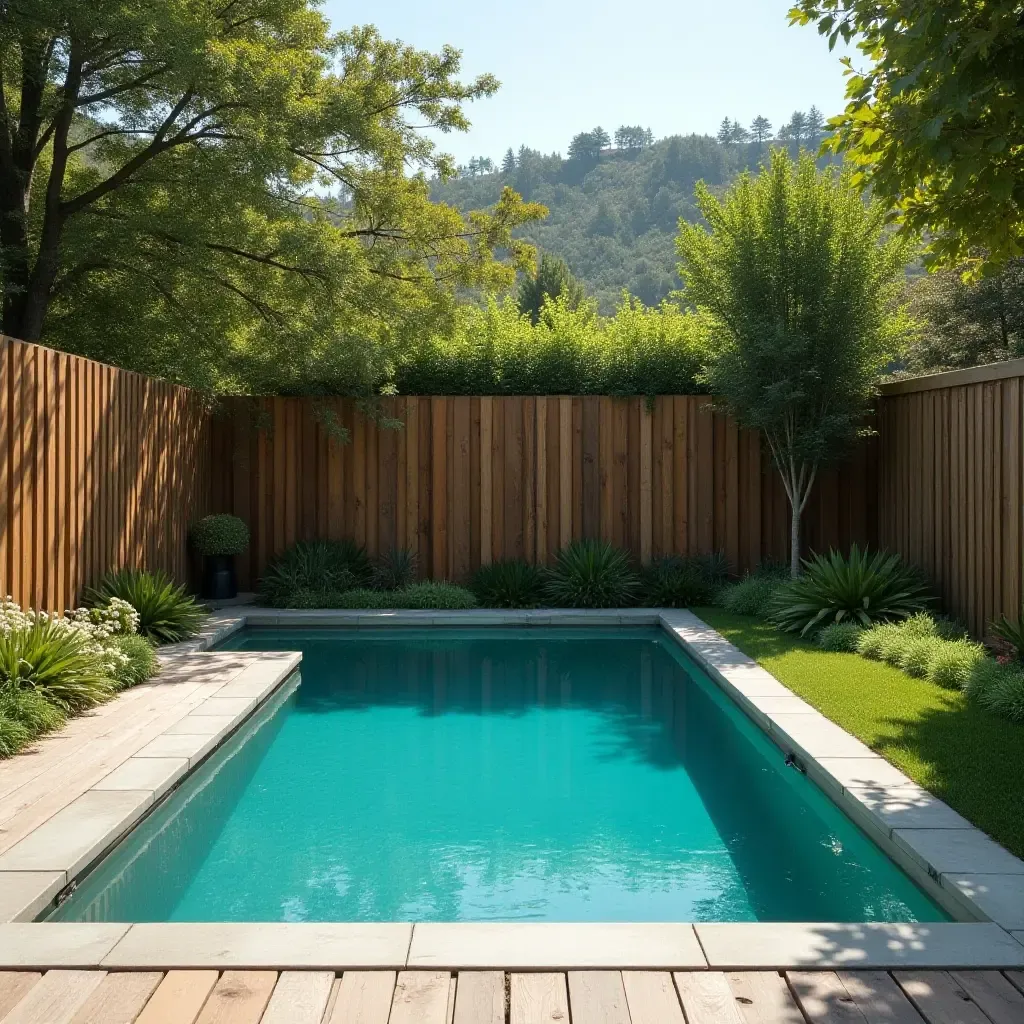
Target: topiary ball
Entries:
(220, 534)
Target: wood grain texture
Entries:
(239, 997)
(823, 998)
(363, 997)
(878, 997)
(480, 998)
(179, 998)
(707, 998)
(55, 998)
(15, 986)
(762, 997)
(421, 997)
(939, 998)
(538, 999)
(119, 998)
(999, 1000)
(300, 997)
(597, 997)
(651, 997)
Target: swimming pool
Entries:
(496, 774)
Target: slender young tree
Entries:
(725, 131)
(799, 286)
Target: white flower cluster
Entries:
(97, 626)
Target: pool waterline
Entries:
(537, 774)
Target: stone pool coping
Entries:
(973, 877)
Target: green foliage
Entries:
(677, 582)
(754, 594)
(511, 583)
(863, 588)
(934, 123)
(919, 654)
(1003, 692)
(436, 594)
(1011, 633)
(591, 574)
(249, 184)
(24, 715)
(553, 280)
(394, 569)
(797, 283)
(319, 565)
(360, 597)
(60, 663)
(953, 662)
(220, 534)
(840, 636)
(140, 664)
(881, 642)
(496, 350)
(167, 614)
(966, 323)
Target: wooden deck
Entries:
(494, 997)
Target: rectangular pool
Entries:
(496, 775)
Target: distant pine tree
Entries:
(761, 129)
(508, 164)
(725, 131)
(553, 279)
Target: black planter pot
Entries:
(219, 580)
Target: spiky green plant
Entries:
(677, 582)
(24, 715)
(317, 565)
(753, 595)
(1011, 633)
(864, 588)
(167, 613)
(394, 569)
(591, 574)
(509, 583)
(1004, 694)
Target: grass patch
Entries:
(964, 755)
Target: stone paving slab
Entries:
(542, 946)
(42, 946)
(1001, 897)
(907, 807)
(954, 850)
(26, 894)
(778, 946)
(155, 774)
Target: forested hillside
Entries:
(614, 208)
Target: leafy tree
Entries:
(508, 163)
(633, 137)
(965, 324)
(761, 129)
(798, 286)
(936, 123)
(553, 280)
(193, 189)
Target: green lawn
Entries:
(966, 757)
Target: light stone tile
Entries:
(192, 747)
(862, 772)
(1000, 897)
(949, 850)
(788, 705)
(202, 725)
(530, 946)
(263, 946)
(42, 946)
(815, 736)
(906, 807)
(156, 774)
(232, 707)
(26, 894)
(78, 833)
(769, 946)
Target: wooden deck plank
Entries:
(300, 997)
(763, 997)
(449, 1014)
(56, 998)
(180, 998)
(597, 997)
(240, 997)
(364, 997)
(421, 997)
(538, 999)
(480, 998)
(1003, 1003)
(332, 999)
(651, 997)
(119, 998)
(707, 998)
(939, 998)
(14, 986)
(879, 998)
(823, 998)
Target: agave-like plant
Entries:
(864, 588)
(591, 574)
(167, 613)
(510, 583)
(677, 582)
(1011, 633)
(316, 565)
(394, 569)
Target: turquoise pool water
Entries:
(496, 775)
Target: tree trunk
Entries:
(794, 539)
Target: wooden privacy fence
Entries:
(466, 481)
(951, 473)
(99, 468)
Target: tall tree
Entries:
(761, 129)
(936, 123)
(632, 137)
(795, 129)
(552, 280)
(221, 170)
(725, 131)
(798, 284)
(738, 134)
(816, 126)
(508, 162)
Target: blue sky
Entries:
(675, 66)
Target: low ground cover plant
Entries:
(428, 594)
(676, 581)
(319, 566)
(167, 613)
(591, 574)
(754, 593)
(509, 583)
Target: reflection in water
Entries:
(497, 775)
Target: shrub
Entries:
(140, 661)
(752, 595)
(512, 583)
(24, 715)
(317, 565)
(918, 654)
(220, 534)
(676, 582)
(985, 674)
(591, 574)
(436, 594)
(1011, 634)
(874, 642)
(840, 636)
(863, 588)
(953, 662)
(714, 567)
(167, 613)
(396, 568)
(1004, 693)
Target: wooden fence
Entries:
(99, 468)
(469, 480)
(951, 485)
